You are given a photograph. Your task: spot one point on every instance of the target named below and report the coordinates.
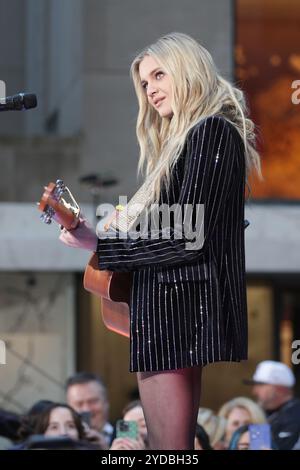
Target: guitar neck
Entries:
(65, 216)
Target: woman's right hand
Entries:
(125, 443)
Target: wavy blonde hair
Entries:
(198, 91)
(256, 413)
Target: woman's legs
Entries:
(170, 401)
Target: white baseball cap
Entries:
(274, 373)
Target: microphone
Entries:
(18, 102)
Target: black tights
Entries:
(170, 401)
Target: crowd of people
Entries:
(82, 422)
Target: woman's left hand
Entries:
(83, 236)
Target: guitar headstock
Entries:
(57, 203)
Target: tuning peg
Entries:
(46, 218)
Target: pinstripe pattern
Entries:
(188, 307)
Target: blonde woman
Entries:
(239, 412)
(188, 296)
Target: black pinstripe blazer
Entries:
(210, 171)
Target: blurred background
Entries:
(75, 55)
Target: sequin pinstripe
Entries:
(188, 307)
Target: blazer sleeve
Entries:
(209, 172)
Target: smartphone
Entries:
(127, 429)
(86, 417)
(260, 436)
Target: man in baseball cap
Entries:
(273, 373)
(273, 384)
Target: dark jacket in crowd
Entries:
(9, 424)
(285, 424)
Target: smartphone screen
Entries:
(260, 436)
(127, 429)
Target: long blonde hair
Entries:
(256, 413)
(198, 91)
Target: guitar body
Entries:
(112, 288)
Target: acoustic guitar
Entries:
(112, 288)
